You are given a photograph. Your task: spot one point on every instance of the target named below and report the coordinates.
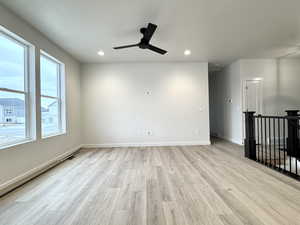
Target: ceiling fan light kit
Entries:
(145, 41)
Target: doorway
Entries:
(252, 98)
(252, 94)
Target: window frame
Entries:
(61, 88)
(29, 64)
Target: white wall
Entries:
(117, 111)
(289, 88)
(23, 159)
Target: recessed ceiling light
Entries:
(187, 52)
(101, 53)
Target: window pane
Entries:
(12, 117)
(50, 116)
(12, 64)
(49, 79)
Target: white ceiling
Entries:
(218, 31)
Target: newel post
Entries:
(292, 135)
(249, 142)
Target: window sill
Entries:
(54, 135)
(17, 143)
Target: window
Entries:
(52, 97)
(15, 117)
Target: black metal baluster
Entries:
(297, 147)
(274, 144)
(261, 138)
(297, 155)
(265, 142)
(296, 164)
(283, 121)
(289, 153)
(278, 135)
(270, 143)
(258, 146)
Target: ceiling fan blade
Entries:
(149, 31)
(156, 49)
(126, 46)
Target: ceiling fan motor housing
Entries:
(144, 43)
(143, 30)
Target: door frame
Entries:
(243, 100)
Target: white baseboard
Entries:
(143, 144)
(23, 178)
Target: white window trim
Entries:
(29, 88)
(60, 98)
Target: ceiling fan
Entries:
(145, 41)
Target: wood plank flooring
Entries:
(195, 185)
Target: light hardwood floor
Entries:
(156, 186)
